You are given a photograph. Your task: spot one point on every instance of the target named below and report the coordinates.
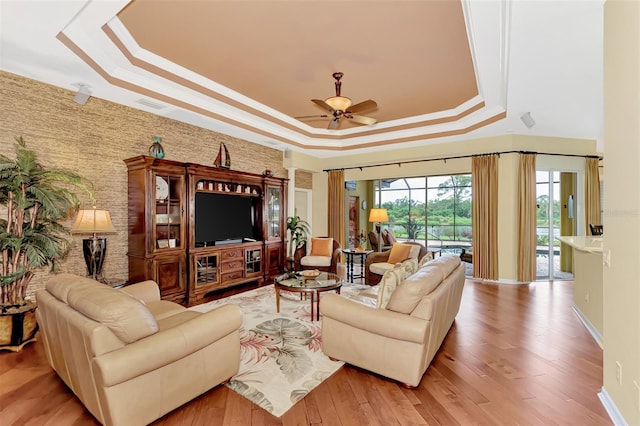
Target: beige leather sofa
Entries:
(400, 340)
(129, 356)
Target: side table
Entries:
(351, 254)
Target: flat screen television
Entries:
(224, 218)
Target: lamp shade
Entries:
(339, 103)
(378, 215)
(93, 221)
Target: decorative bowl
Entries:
(310, 273)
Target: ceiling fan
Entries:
(341, 107)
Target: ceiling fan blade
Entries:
(333, 124)
(362, 120)
(302, 117)
(363, 106)
(323, 104)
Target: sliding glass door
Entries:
(555, 216)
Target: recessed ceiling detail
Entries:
(218, 60)
(439, 71)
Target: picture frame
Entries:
(163, 243)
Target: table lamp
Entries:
(379, 216)
(94, 222)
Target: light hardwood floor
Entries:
(516, 355)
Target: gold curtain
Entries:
(526, 268)
(484, 183)
(336, 206)
(592, 194)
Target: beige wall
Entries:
(587, 288)
(622, 205)
(94, 139)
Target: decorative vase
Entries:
(156, 149)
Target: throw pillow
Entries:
(388, 284)
(391, 237)
(321, 246)
(427, 257)
(410, 266)
(385, 237)
(415, 251)
(399, 252)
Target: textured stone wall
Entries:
(304, 179)
(94, 139)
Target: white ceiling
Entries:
(542, 57)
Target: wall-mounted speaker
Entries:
(83, 94)
(527, 120)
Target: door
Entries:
(354, 221)
(552, 220)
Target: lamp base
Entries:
(94, 250)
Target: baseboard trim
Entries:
(611, 409)
(587, 324)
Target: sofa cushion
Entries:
(161, 309)
(60, 284)
(448, 263)
(427, 257)
(399, 252)
(409, 292)
(315, 260)
(125, 316)
(177, 319)
(388, 284)
(321, 246)
(381, 267)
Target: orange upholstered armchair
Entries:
(323, 255)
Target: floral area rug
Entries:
(281, 360)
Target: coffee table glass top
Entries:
(296, 280)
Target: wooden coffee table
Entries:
(296, 283)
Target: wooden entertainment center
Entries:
(180, 215)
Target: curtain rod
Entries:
(399, 163)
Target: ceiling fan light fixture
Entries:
(339, 103)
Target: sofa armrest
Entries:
(145, 291)
(163, 348)
(373, 320)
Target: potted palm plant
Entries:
(299, 229)
(34, 201)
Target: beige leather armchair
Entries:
(129, 356)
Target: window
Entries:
(431, 209)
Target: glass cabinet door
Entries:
(207, 270)
(168, 218)
(273, 212)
